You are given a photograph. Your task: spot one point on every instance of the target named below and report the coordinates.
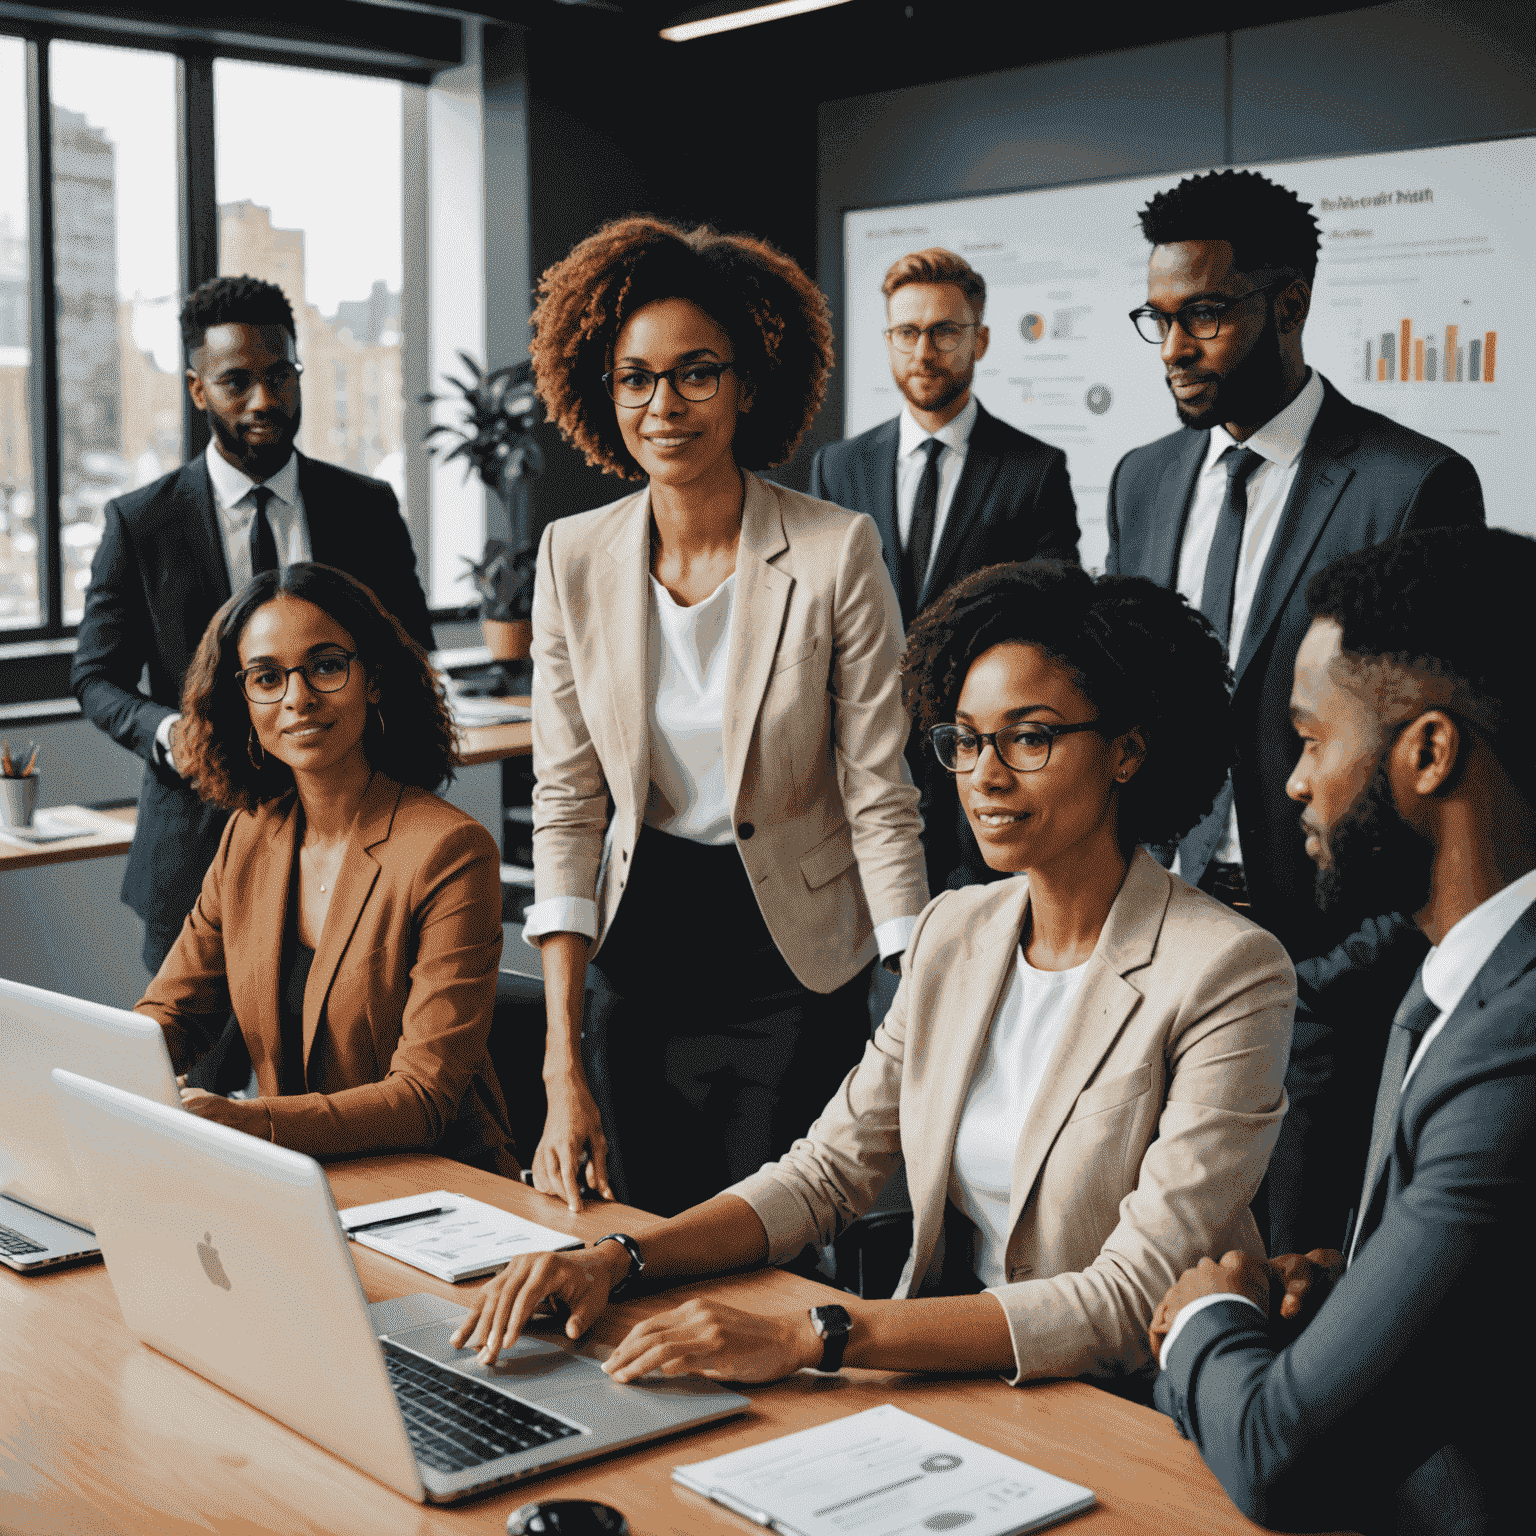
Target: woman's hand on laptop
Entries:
(708, 1338)
(507, 1302)
(248, 1115)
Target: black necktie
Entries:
(1221, 564)
(1413, 1019)
(925, 506)
(263, 545)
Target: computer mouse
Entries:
(567, 1517)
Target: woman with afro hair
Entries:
(1081, 1071)
(723, 822)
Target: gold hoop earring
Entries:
(252, 747)
(380, 713)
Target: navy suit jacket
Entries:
(1404, 1404)
(1362, 478)
(158, 577)
(1013, 502)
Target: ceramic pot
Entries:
(508, 639)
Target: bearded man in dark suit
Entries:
(1273, 475)
(951, 488)
(171, 553)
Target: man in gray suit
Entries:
(1272, 475)
(1400, 1405)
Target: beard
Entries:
(259, 460)
(954, 385)
(1377, 862)
(1249, 392)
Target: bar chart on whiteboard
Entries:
(1421, 309)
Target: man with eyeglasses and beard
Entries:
(1272, 475)
(172, 552)
(1400, 1405)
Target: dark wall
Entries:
(1388, 77)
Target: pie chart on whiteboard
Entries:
(1032, 327)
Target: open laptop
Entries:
(227, 1254)
(45, 1217)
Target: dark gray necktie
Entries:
(1412, 1020)
(925, 507)
(1227, 546)
(263, 545)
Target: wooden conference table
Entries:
(99, 1433)
(104, 833)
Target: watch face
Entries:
(831, 1320)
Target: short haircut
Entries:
(1140, 654)
(1455, 603)
(936, 265)
(776, 317)
(414, 745)
(233, 301)
(1268, 227)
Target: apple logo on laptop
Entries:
(208, 1255)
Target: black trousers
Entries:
(716, 1057)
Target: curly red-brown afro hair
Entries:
(776, 317)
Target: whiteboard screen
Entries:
(1421, 310)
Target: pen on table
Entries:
(395, 1221)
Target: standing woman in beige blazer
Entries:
(1082, 1068)
(716, 659)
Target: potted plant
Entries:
(495, 438)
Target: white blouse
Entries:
(1025, 1030)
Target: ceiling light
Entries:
(686, 31)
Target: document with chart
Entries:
(448, 1235)
(883, 1472)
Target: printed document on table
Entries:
(463, 1239)
(883, 1472)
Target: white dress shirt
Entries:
(1025, 1029)
(232, 500)
(688, 660)
(910, 460)
(1279, 442)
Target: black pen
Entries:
(395, 1221)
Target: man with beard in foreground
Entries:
(951, 489)
(1401, 1406)
(1272, 475)
(172, 552)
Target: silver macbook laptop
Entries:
(227, 1254)
(45, 1218)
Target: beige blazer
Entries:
(825, 811)
(397, 1008)
(1149, 1136)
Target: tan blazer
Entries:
(813, 733)
(398, 1003)
(1148, 1138)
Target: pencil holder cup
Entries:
(18, 800)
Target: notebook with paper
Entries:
(45, 1218)
(227, 1254)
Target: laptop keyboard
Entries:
(455, 1422)
(13, 1243)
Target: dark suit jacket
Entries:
(1014, 502)
(1418, 1366)
(397, 1009)
(1361, 479)
(158, 577)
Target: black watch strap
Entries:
(636, 1262)
(834, 1325)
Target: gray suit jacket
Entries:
(1403, 1405)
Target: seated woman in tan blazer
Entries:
(1082, 1068)
(351, 919)
(719, 658)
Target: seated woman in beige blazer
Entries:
(718, 657)
(351, 919)
(1082, 1068)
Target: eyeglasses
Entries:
(633, 387)
(1200, 321)
(1025, 748)
(945, 335)
(267, 683)
(239, 382)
